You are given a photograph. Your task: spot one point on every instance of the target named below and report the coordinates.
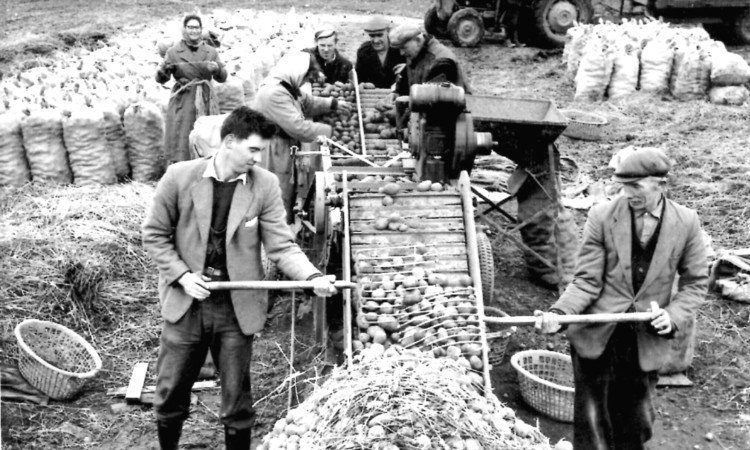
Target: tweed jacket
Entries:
(176, 228)
(603, 277)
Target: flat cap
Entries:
(325, 32)
(403, 33)
(377, 23)
(642, 163)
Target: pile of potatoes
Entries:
(402, 399)
(345, 126)
(378, 123)
(414, 307)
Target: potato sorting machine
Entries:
(397, 219)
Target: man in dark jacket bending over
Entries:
(427, 60)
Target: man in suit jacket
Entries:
(632, 249)
(207, 223)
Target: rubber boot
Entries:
(169, 435)
(235, 439)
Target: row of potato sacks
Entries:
(97, 116)
(610, 61)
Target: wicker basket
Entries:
(583, 125)
(498, 336)
(54, 359)
(546, 380)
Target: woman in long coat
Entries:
(281, 99)
(193, 63)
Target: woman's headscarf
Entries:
(291, 69)
(185, 37)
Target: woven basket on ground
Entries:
(582, 125)
(498, 336)
(54, 359)
(546, 380)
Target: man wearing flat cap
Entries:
(334, 66)
(377, 62)
(632, 249)
(427, 60)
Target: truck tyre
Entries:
(466, 27)
(433, 24)
(552, 18)
(739, 30)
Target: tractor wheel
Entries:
(486, 266)
(466, 27)
(433, 24)
(553, 18)
(739, 28)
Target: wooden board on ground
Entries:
(137, 380)
(197, 386)
(674, 380)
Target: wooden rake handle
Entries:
(271, 285)
(574, 318)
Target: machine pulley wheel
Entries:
(486, 266)
(464, 149)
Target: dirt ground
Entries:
(710, 145)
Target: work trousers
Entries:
(208, 325)
(613, 396)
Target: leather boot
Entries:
(236, 439)
(169, 434)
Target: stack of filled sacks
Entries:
(610, 61)
(96, 116)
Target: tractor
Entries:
(544, 21)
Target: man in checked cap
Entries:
(377, 62)
(632, 249)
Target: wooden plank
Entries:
(408, 253)
(396, 238)
(426, 214)
(197, 386)
(446, 266)
(367, 170)
(137, 380)
(347, 275)
(420, 225)
(674, 380)
(401, 202)
(359, 112)
(356, 199)
(474, 270)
